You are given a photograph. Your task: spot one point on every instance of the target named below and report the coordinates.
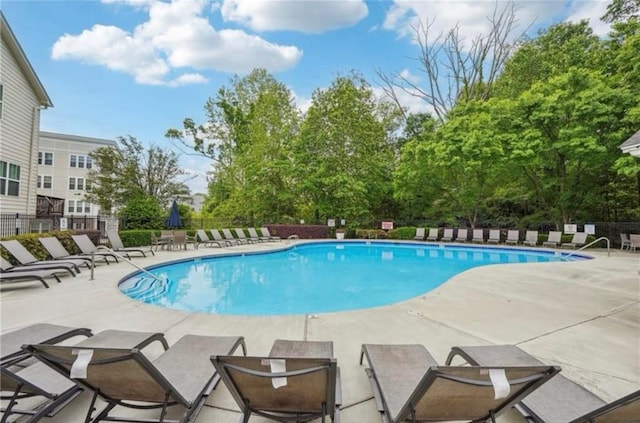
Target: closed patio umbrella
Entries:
(174, 221)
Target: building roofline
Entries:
(633, 141)
(78, 138)
(14, 46)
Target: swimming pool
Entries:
(315, 277)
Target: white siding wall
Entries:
(18, 133)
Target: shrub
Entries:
(402, 233)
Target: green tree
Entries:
(344, 155)
(142, 212)
(620, 10)
(128, 171)
(248, 135)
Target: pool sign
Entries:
(590, 228)
(570, 229)
(387, 225)
(331, 223)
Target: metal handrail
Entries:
(590, 244)
(102, 247)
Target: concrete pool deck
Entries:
(583, 316)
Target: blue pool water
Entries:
(314, 277)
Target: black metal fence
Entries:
(16, 224)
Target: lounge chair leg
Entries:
(163, 414)
(12, 403)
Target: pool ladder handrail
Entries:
(590, 244)
(102, 247)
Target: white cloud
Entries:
(472, 17)
(309, 16)
(175, 36)
(592, 11)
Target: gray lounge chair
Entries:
(7, 269)
(25, 378)
(461, 236)
(408, 384)
(203, 238)
(554, 239)
(28, 276)
(558, 401)
(229, 237)
(419, 234)
(265, 232)
(433, 234)
(478, 236)
(118, 246)
(578, 240)
(23, 255)
(625, 242)
(241, 236)
(494, 236)
(253, 234)
(513, 237)
(531, 238)
(119, 372)
(219, 238)
(88, 247)
(57, 252)
(299, 381)
(623, 410)
(447, 235)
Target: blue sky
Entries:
(138, 67)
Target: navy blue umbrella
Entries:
(174, 221)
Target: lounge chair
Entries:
(625, 409)
(408, 384)
(23, 255)
(635, 242)
(554, 239)
(419, 234)
(625, 242)
(219, 238)
(531, 238)
(203, 238)
(114, 367)
(182, 240)
(578, 240)
(26, 275)
(229, 237)
(461, 236)
(494, 236)
(253, 234)
(24, 378)
(298, 381)
(447, 235)
(558, 401)
(265, 232)
(88, 247)
(241, 236)
(513, 237)
(118, 246)
(57, 252)
(8, 268)
(478, 236)
(165, 240)
(433, 234)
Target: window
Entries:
(77, 160)
(9, 179)
(45, 181)
(78, 206)
(72, 183)
(1, 97)
(45, 159)
(77, 184)
(80, 184)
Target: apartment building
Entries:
(22, 97)
(63, 167)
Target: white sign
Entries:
(590, 229)
(343, 222)
(570, 229)
(331, 223)
(63, 223)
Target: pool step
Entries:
(144, 288)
